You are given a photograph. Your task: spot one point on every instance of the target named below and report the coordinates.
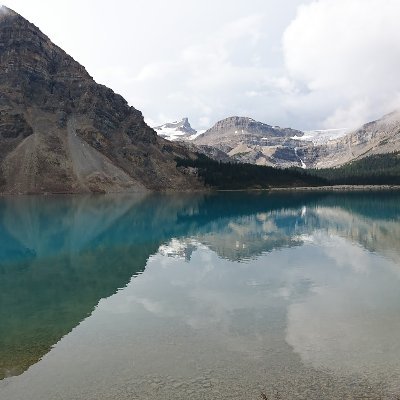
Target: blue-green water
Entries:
(200, 296)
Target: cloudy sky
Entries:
(305, 64)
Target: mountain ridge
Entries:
(61, 132)
(244, 140)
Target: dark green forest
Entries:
(382, 169)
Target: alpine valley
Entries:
(244, 140)
(61, 132)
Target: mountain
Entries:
(244, 140)
(60, 131)
(248, 141)
(178, 130)
(234, 130)
(377, 137)
(183, 132)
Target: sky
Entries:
(294, 63)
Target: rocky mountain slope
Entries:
(377, 137)
(245, 140)
(60, 131)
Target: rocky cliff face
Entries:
(60, 131)
(246, 140)
(232, 129)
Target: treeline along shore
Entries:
(382, 170)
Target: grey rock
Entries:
(244, 140)
(60, 131)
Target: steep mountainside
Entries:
(377, 137)
(240, 127)
(375, 169)
(246, 140)
(60, 131)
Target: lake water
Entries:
(202, 296)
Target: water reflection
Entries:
(270, 289)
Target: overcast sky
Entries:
(303, 64)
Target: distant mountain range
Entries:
(61, 132)
(242, 139)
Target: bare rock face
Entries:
(245, 129)
(377, 137)
(245, 140)
(250, 141)
(210, 151)
(60, 131)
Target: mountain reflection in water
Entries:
(338, 296)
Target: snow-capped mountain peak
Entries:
(177, 130)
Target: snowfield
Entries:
(322, 135)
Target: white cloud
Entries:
(346, 54)
(213, 75)
(331, 63)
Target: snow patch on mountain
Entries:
(322, 136)
(177, 130)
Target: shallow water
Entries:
(200, 296)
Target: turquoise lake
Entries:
(200, 296)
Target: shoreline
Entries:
(341, 188)
(334, 188)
